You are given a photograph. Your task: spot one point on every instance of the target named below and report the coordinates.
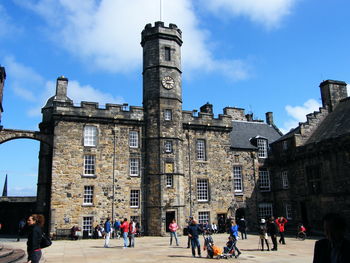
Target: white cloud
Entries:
(21, 191)
(106, 33)
(35, 90)
(266, 12)
(298, 114)
(6, 25)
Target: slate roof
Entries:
(336, 124)
(243, 131)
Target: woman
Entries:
(35, 223)
(234, 235)
(173, 227)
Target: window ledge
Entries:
(239, 193)
(88, 176)
(87, 205)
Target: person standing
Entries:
(107, 230)
(234, 234)
(117, 228)
(193, 233)
(125, 230)
(335, 248)
(173, 227)
(242, 227)
(262, 230)
(132, 232)
(272, 230)
(281, 221)
(35, 223)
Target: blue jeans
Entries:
(195, 243)
(34, 256)
(126, 240)
(132, 240)
(173, 234)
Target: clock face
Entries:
(168, 82)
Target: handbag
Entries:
(45, 241)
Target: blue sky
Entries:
(261, 55)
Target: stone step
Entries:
(4, 252)
(16, 255)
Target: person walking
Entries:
(242, 227)
(281, 221)
(35, 223)
(272, 230)
(132, 233)
(21, 226)
(107, 230)
(234, 234)
(262, 230)
(125, 230)
(193, 233)
(173, 227)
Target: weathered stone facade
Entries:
(315, 157)
(153, 163)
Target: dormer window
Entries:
(262, 148)
(285, 145)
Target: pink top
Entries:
(173, 227)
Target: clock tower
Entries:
(163, 133)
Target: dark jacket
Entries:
(323, 251)
(194, 230)
(272, 228)
(34, 238)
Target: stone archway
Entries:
(11, 134)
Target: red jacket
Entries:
(280, 223)
(125, 226)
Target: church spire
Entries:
(4, 192)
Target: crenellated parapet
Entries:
(206, 121)
(312, 122)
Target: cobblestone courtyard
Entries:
(157, 249)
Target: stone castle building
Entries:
(159, 162)
(152, 163)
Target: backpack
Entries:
(45, 241)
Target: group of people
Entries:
(271, 228)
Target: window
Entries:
(284, 177)
(285, 145)
(168, 146)
(168, 115)
(265, 210)
(167, 55)
(202, 190)
(200, 147)
(90, 135)
(262, 148)
(89, 164)
(133, 139)
(264, 180)
(313, 175)
(88, 195)
(237, 179)
(134, 167)
(134, 198)
(289, 211)
(87, 224)
(169, 180)
(203, 217)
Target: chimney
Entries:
(332, 91)
(249, 116)
(269, 118)
(207, 108)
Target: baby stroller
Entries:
(212, 250)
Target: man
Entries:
(242, 227)
(272, 230)
(281, 221)
(21, 226)
(335, 248)
(262, 230)
(193, 233)
(125, 230)
(132, 232)
(117, 228)
(107, 230)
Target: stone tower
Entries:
(163, 132)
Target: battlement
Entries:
(206, 120)
(160, 31)
(92, 110)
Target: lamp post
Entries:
(189, 169)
